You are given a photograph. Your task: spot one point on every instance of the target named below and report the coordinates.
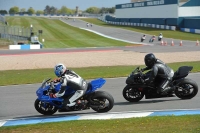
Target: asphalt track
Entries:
(18, 101)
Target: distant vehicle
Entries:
(160, 37)
(152, 38)
(143, 38)
(34, 40)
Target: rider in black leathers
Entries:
(160, 73)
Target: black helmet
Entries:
(150, 60)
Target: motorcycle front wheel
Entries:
(102, 102)
(44, 108)
(132, 94)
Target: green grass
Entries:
(12, 77)
(162, 124)
(150, 31)
(60, 35)
(4, 42)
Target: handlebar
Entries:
(140, 72)
(51, 85)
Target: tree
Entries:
(23, 10)
(14, 10)
(47, 9)
(93, 10)
(73, 11)
(63, 10)
(50, 10)
(3, 12)
(53, 10)
(58, 11)
(107, 10)
(31, 11)
(112, 10)
(39, 12)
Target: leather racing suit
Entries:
(160, 74)
(74, 81)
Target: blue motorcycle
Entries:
(99, 101)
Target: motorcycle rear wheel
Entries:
(47, 110)
(132, 94)
(187, 89)
(104, 100)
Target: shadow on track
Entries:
(63, 114)
(145, 102)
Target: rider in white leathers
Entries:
(71, 79)
(160, 37)
(143, 38)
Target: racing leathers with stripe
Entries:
(161, 74)
(74, 81)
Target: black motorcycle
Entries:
(182, 87)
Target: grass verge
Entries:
(60, 35)
(162, 124)
(13, 77)
(150, 31)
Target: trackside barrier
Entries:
(141, 25)
(24, 47)
(191, 30)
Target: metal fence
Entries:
(14, 33)
(2, 19)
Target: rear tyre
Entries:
(44, 108)
(186, 89)
(104, 102)
(132, 94)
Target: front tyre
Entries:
(132, 94)
(102, 102)
(186, 89)
(44, 108)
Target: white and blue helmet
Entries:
(59, 69)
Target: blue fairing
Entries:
(97, 83)
(42, 91)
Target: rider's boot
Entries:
(165, 91)
(64, 107)
(164, 88)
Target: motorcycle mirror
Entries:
(138, 68)
(48, 79)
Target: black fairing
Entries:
(133, 79)
(130, 79)
(182, 72)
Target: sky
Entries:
(41, 4)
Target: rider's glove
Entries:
(56, 80)
(52, 95)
